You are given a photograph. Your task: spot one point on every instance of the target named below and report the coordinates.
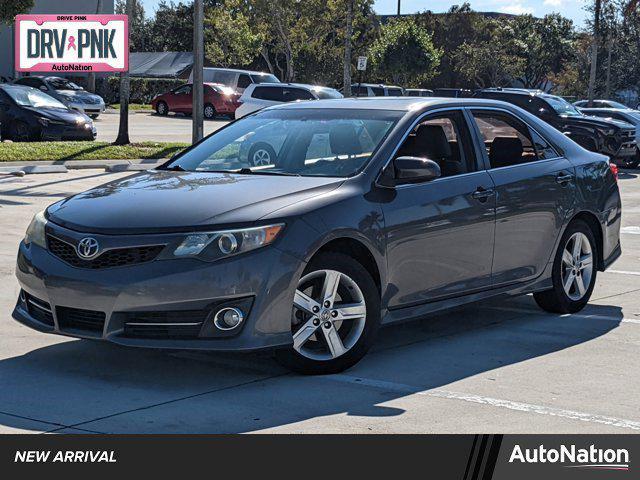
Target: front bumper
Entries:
(58, 132)
(88, 108)
(262, 281)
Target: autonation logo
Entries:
(573, 457)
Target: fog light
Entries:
(228, 318)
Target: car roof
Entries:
(284, 84)
(609, 109)
(250, 72)
(391, 103)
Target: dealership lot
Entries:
(150, 127)
(500, 366)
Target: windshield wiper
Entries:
(248, 171)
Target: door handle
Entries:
(482, 194)
(564, 178)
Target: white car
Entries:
(239, 80)
(259, 96)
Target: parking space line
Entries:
(494, 402)
(584, 316)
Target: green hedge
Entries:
(142, 89)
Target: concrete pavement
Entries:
(500, 366)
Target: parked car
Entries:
(259, 96)
(600, 104)
(452, 93)
(239, 80)
(418, 92)
(613, 138)
(72, 95)
(27, 114)
(218, 100)
(629, 116)
(376, 90)
(416, 206)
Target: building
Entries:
(68, 7)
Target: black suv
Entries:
(613, 138)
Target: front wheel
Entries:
(262, 154)
(162, 108)
(336, 315)
(209, 112)
(574, 271)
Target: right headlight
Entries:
(36, 231)
(215, 245)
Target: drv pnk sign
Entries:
(72, 43)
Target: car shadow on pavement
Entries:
(101, 387)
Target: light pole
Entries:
(399, 1)
(198, 66)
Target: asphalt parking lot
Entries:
(499, 366)
(149, 127)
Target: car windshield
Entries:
(62, 84)
(264, 78)
(30, 97)
(327, 93)
(561, 106)
(301, 142)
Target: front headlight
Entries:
(214, 245)
(36, 231)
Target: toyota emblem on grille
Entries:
(87, 248)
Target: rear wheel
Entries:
(262, 154)
(162, 108)
(574, 271)
(336, 314)
(209, 112)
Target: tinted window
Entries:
(274, 94)
(309, 142)
(224, 77)
(293, 94)
(244, 81)
(508, 141)
(394, 92)
(30, 82)
(359, 91)
(378, 91)
(445, 139)
(184, 90)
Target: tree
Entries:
(594, 50)
(405, 53)
(10, 8)
(138, 26)
(123, 127)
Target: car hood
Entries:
(599, 122)
(162, 201)
(58, 114)
(79, 95)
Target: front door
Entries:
(440, 233)
(183, 99)
(535, 191)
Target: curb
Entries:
(141, 164)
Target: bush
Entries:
(142, 89)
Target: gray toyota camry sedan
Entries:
(369, 212)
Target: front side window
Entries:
(293, 94)
(273, 94)
(306, 142)
(509, 141)
(185, 90)
(394, 92)
(377, 91)
(445, 139)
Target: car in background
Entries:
(376, 90)
(627, 115)
(239, 80)
(418, 92)
(28, 114)
(259, 96)
(218, 100)
(600, 104)
(610, 137)
(72, 95)
(452, 93)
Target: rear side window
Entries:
(359, 91)
(378, 91)
(273, 94)
(394, 92)
(509, 141)
(293, 94)
(244, 81)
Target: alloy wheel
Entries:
(209, 112)
(329, 315)
(261, 157)
(577, 266)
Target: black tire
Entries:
(210, 112)
(293, 360)
(264, 154)
(556, 299)
(162, 108)
(21, 132)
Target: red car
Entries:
(218, 100)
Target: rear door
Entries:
(535, 191)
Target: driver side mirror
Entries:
(411, 170)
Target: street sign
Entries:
(72, 43)
(362, 63)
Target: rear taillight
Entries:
(614, 169)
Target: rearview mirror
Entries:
(415, 169)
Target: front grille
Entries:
(179, 324)
(118, 257)
(77, 319)
(38, 309)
